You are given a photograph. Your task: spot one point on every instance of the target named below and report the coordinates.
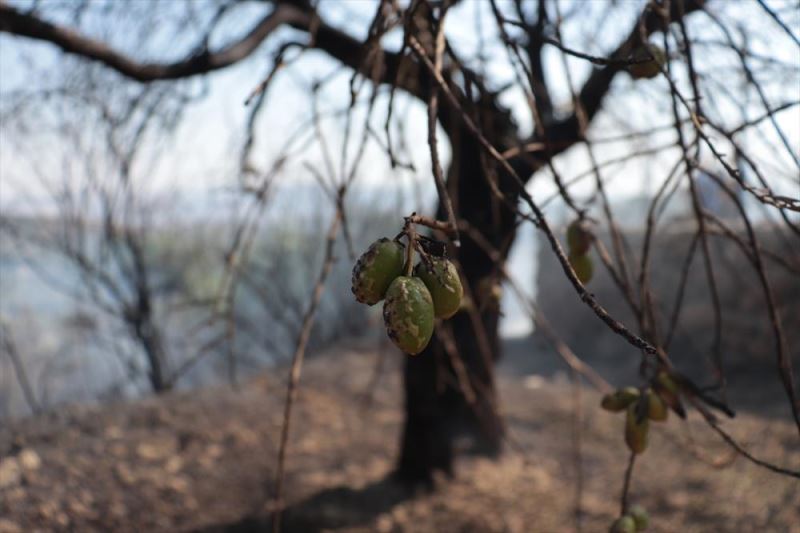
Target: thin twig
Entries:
(297, 364)
(433, 106)
(626, 485)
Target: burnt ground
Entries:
(204, 461)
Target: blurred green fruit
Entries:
(648, 69)
(582, 265)
(640, 517)
(444, 285)
(668, 390)
(376, 269)
(579, 238)
(624, 524)
(408, 314)
(665, 381)
(656, 408)
(635, 430)
(619, 399)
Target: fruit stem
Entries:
(411, 234)
(440, 225)
(627, 484)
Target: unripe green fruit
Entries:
(640, 517)
(582, 265)
(648, 69)
(668, 390)
(656, 408)
(376, 269)
(408, 314)
(444, 285)
(579, 238)
(625, 524)
(619, 399)
(665, 381)
(635, 431)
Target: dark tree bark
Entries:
(151, 342)
(438, 412)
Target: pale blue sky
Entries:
(204, 152)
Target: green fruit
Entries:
(625, 524)
(444, 285)
(635, 430)
(647, 69)
(640, 517)
(579, 238)
(619, 399)
(376, 269)
(408, 314)
(668, 390)
(664, 380)
(582, 265)
(656, 408)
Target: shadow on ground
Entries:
(331, 508)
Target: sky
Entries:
(204, 152)
(197, 166)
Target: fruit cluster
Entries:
(643, 406)
(579, 240)
(636, 519)
(653, 402)
(412, 299)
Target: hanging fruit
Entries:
(579, 237)
(408, 314)
(582, 265)
(442, 280)
(624, 524)
(656, 408)
(647, 68)
(636, 428)
(640, 517)
(376, 269)
(620, 399)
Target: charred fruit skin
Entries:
(444, 284)
(408, 314)
(376, 269)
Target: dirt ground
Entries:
(204, 461)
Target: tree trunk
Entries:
(150, 340)
(438, 412)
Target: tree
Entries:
(493, 158)
(103, 243)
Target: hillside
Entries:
(203, 461)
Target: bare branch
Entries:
(297, 362)
(596, 87)
(17, 22)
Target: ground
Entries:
(205, 460)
